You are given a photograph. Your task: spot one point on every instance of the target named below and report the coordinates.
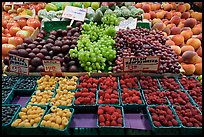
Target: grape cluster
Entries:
(95, 47)
(144, 42)
(110, 19)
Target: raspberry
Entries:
(113, 123)
(107, 116)
(107, 123)
(189, 124)
(168, 117)
(118, 110)
(76, 102)
(77, 94)
(127, 100)
(94, 85)
(79, 86)
(101, 118)
(113, 117)
(155, 118)
(139, 102)
(135, 99)
(107, 96)
(157, 124)
(89, 85)
(100, 111)
(107, 101)
(112, 95)
(120, 125)
(170, 123)
(122, 82)
(102, 124)
(174, 122)
(120, 120)
(113, 101)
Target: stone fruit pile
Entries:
(110, 116)
(67, 84)
(57, 118)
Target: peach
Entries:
(185, 15)
(152, 14)
(187, 48)
(167, 22)
(185, 28)
(170, 42)
(154, 21)
(177, 14)
(187, 34)
(190, 22)
(165, 34)
(199, 51)
(196, 30)
(146, 8)
(167, 7)
(197, 16)
(176, 49)
(188, 68)
(160, 15)
(153, 7)
(199, 36)
(175, 20)
(188, 6)
(181, 8)
(147, 16)
(199, 60)
(180, 25)
(170, 25)
(178, 39)
(168, 15)
(180, 60)
(158, 6)
(175, 30)
(159, 26)
(195, 42)
(173, 5)
(198, 68)
(138, 5)
(167, 30)
(189, 57)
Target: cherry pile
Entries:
(144, 42)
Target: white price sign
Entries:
(148, 64)
(18, 65)
(13, 3)
(130, 23)
(52, 66)
(74, 13)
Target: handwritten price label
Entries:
(52, 65)
(13, 3)
(74, 13)
(148, 64)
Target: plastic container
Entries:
(30, 130)
(9, 97)
(89, 77)
(171, 130)
(161, 88)
(191, 98)
(14, 82)
(52, 131)
(178, 80)
(133, 106)
(112, 130)
(119, 86)
(189, 130)
(153, 77)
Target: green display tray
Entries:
(52, 131)
(9, 98)
(171, 130)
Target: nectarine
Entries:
(195, 42)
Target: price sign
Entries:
(13, 3)
(52, 65)
(74, 13)
(130, 23)
(18, 65)
(148, 64)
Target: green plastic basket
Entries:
(13, 81)
(189, 130)
(85, 131)
(161, 88)
(171, 130)
(153, 77)
(9, 97)
(178, 80)
(52, 131)
(119, 86)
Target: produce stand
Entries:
(106, 68)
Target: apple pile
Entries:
(109, 116)
(108, 82)
(189, 115)
(169, 83)
(178, 97)
(108, 96)
(128, 81)
(87, 82)
(155, 97)
(85, 97)
(190, 83)
(148, 83)
(196, 95)
(162, 116)
(131, 96)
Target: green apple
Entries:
(95, 5)
(77, 4)
(200, 77)
(50, 7)
(87, 4)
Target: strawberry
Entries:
(100, 101)
(189, 124)
(115, 92)
(101, 118)
(155, 118)
(115, 85)
(135, 99)
(77, 94)
(100, 93)
(127, 99)
(139, 102)
(84, 85)
(113, 101)
(113, 96)
(107, 96)
(120, 120)
(109, 91)
(168, 117)
(122, 82)
(107, 101)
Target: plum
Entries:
(73, 68)
(36, 61)
(13, 51)
(53, 32)
(36, 50)
(49, 40)
(44, 52)
(40, 68)
(40, 55)
(56, 49)
(22, 53)
(65, 48)
(28, 40)
(31, 55)
(32, 46)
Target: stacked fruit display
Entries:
(128, 81)
(8, 112)
(85, 96)
(5, 94)
(169, 83)
(67, 84)
(110, 116)
(131, 96)
(26, 83)
(88, 82)
(9, 81)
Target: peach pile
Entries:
(148, 83)
(131, 96)
(189, 115)
(85, 97)
(178, 97)
(128, 81)
(168, 83)
(155, 97)
(109, 116)
(162, 116)
(87, 82)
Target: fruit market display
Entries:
(41, 97)
(57, 118)
(110, 116)
(162, 116)
(92, 86)
(29, 116)
(62, 98)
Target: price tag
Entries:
(13, 3)
(74, 13)
(52, 65)
(130, 23)
(18, 65)
(148, 64)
